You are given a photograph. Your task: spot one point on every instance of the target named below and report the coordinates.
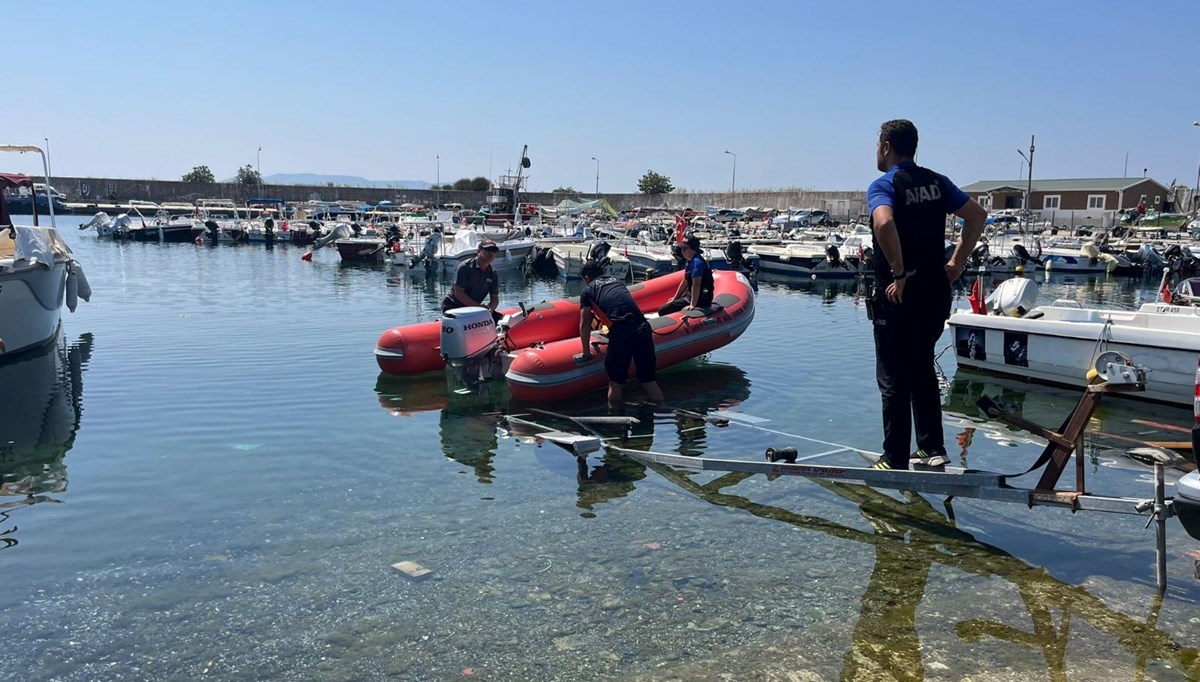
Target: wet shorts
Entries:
(625, 343)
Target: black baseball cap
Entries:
(489, 245)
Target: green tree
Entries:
(199, 174)
(480, 184)
(566, 190)
(654, 183)
(462, 184)
(246, 175)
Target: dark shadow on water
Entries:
(470, 426)
(910, 537)
(41, 401)
(828, 290)
(1118, 426)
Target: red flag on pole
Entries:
(976, 297)
(680, 227)
(1164, 292)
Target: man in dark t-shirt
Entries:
(912, 296)
(475, 279)
(629, 334)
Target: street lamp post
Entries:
(733, 181)
(258, 168)
(597, 176)
(1196, 193)
(438, 193)
(1029, 187)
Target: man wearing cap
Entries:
(629, 334)
(696, 288)
(475, 279)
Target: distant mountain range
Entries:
(342, 180)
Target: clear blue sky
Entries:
(796, 88)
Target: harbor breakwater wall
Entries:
(115, 190)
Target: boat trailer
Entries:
(1115, 374)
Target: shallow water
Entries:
(221, 481)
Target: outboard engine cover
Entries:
(1014, 297)
(833, 255)
(599, 252)
(469, 345)
(735, 255)
(1023, 254)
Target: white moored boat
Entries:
(37, 273)
(1059, 343)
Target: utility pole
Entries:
(1029, 187)
(733, 182)
(597, 176)
(438, 193)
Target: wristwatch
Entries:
(897, 278)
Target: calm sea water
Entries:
(209, 477)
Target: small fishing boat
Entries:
(807, 260)
(534, 348)
(37, 274)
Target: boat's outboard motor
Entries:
(737, 257)
(214, 230)
(1023, 254)
(470, 347)
(833, 255)
(1148, 257)
(1014, 297)
(543, 263)
(427, 251)
(599, 253)
(356, 229)
(269, 228)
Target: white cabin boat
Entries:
(1059, 343)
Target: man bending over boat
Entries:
(912, 296)
(475, 279)
(629, 336)
(696, 289)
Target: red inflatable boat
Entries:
(550, 372)
(416, 348)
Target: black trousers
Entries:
(905, 338)
(675, 305)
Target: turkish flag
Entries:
(680, 227)
(976, 297)
(1165, 292)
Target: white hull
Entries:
(1062, 345)
(569, 259)
(511, 257)
(30, 305)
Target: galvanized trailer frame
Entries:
(951, 482)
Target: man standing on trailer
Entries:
(912, 296)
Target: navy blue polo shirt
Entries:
(612, 299)
(920, 200)
(882, 191)
(475, 281)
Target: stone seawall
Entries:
(109, 190)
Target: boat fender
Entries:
(72, 289)
(85, 289)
